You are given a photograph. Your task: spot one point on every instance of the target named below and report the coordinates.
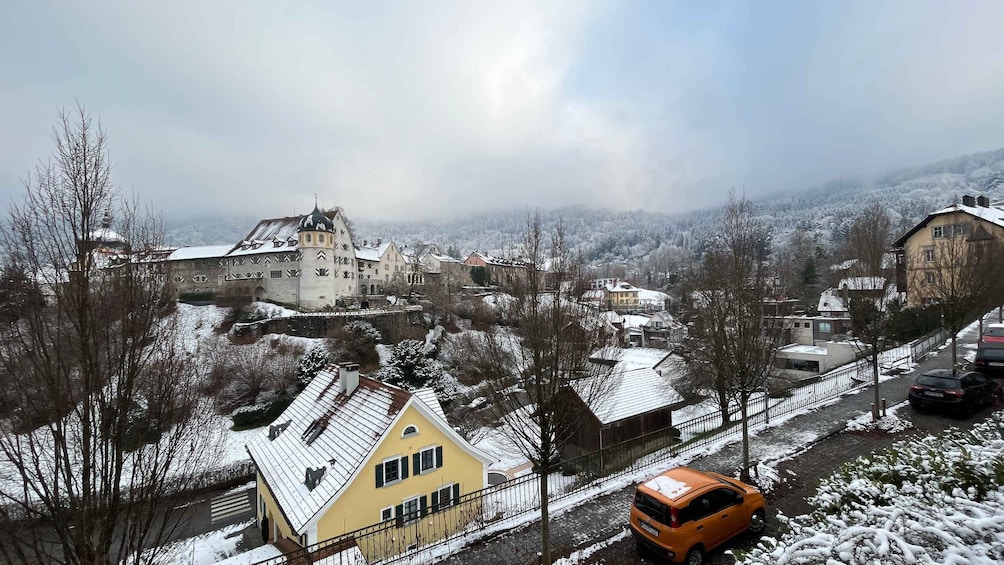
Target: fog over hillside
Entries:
(606, 236)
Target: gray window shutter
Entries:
(399, 514)
(423, 506)
(416, 463)
(439, 456)
(404, 468)
(456, 494)
(435, 500)
(379, 475)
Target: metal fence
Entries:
(429, 537)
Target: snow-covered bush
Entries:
(356, 342)
(410, 366)
(934, 500)
(315, 359)
(363, 329)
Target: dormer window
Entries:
(410, 431)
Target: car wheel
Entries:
(758, 522)
(695, 556)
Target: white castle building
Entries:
(307, 262)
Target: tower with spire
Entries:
(327, 261)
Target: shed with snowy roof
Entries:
(352, 452)
(637, 403)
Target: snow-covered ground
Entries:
(219, 546)
(890, 423)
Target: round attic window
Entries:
(410, 431)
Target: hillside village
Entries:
(370, 388)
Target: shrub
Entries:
(315, 359)
(260, 414)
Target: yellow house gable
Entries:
(318, 463)
(420, 466)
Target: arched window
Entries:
(410, 431)
(308, 237)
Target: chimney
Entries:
(968, 200)
(365, 243)
(348, 377)
(983, 201)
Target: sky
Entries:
(438, 109)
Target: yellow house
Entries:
(621, 296)
(351, 452)
(923, 253)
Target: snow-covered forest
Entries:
(605, 236)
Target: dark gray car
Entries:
(962, 392)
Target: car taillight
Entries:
(955, 393)
(981, 362)
(674, 517)
(916, 388)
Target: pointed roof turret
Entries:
(316, 221)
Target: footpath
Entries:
(802, 448)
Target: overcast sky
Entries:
(436, 109)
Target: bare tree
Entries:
(108, 420)
(868, 239)
(960, 273)
(534, 354)
(737, 341)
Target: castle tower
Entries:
(327, 262)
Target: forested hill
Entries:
(606, 236)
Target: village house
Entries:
(638, 400)
(974, 220)
(351, 452)
(815, 345)
(494, 270)
(377, 265)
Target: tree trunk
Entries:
(744, 475)
(955, 353)
(723, 405)
(875, 376)
(545, 471)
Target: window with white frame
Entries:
(929, 278)
(960, 229)
(387, 514)
(929, 254)
(428, 460)
(445, 497)
(411, 510)
(410, 431)
(938, 232)
(825, 327)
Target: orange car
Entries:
(683, 513)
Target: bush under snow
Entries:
(939, 499)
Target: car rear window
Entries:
(994, 331)
(938, 382)
(651, 507)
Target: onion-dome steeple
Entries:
(316, 221)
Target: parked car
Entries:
(990, 350)
(963, 392)
(684, 513)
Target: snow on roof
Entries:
(612, 317)
(621, 286)
(798, 349)
(199, 252)
(351, 428)
(635, 320)
(271, 234)
(355, 425)
(844, 265)
(668, 487)
(444, 258)
(367, 253)
(632, 357)
(428, 396)
(653, 297)
(831, 301)
(633, 391)
(862, 283)
(992, 214)
(105, 235)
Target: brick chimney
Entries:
(348, 377)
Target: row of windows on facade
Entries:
(320, 238)
(258, 259)
(949, 230)
(417, 507)
(396, 469)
